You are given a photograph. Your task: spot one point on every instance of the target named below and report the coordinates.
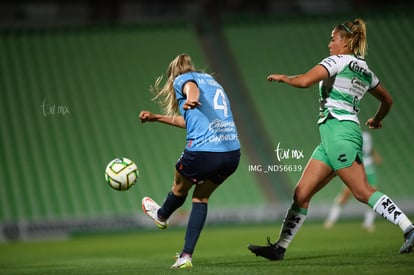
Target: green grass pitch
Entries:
(345, 249)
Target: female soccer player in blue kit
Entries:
(344, 77)
(212, 152)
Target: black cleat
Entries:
(272, 252)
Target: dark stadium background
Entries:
(74, 76)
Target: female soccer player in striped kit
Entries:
(344, 77)
(212, 153)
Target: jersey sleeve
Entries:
(180, 81)
(374, 82)
(332, 64)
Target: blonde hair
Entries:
(165, 96)
(355, 33)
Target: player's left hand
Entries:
(373, 124)
(191, 104)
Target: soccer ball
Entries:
(121, 173)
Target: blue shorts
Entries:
(198, 166)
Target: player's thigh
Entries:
(315, 176)
(181, 185)
(203, 191)
(355, 178)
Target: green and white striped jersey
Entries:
(340, 94)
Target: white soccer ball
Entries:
(121, 173)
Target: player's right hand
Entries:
(145, 116)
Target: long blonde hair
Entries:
(165, 96)
(355, 33)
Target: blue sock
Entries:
(195, 225)
(171, 203)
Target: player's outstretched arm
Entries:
(147, 116)
(305, 80)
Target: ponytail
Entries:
(356, 35)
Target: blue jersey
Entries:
(210, 126)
